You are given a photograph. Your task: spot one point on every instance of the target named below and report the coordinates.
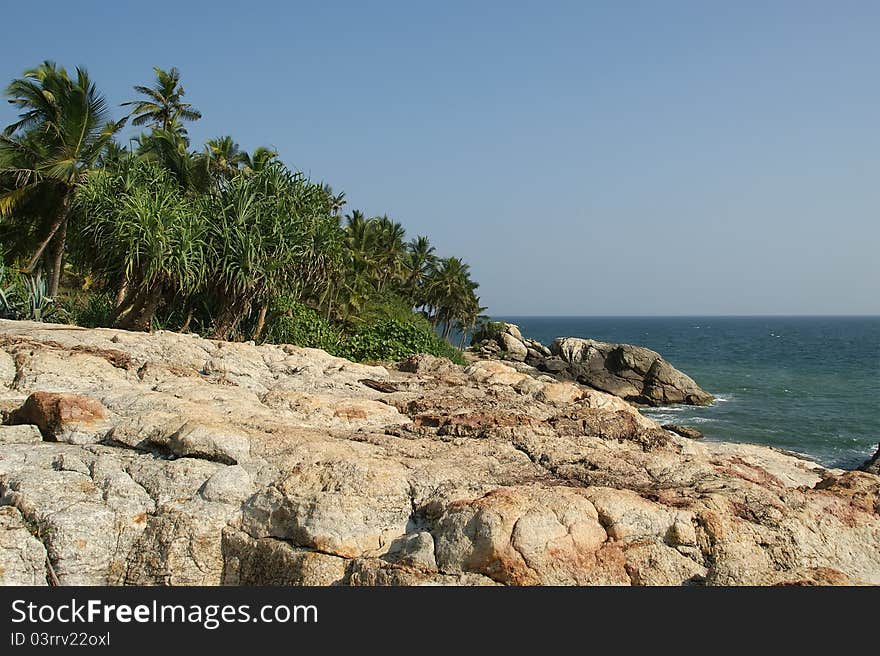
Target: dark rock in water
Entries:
(684, 431)
(632, 372)
(872, 464)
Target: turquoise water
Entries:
(806, 384)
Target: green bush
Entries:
(92, 311)
(386, 306)
(298, 324)
(393, 340)
(487, 330)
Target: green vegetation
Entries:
(231, 244)
(487, 330)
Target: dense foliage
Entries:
(395, 340)
(231, 244)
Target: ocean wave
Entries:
(672, 418)
(701, 420)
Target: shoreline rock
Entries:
(685, 431)
(634, 373)
(231, 463)
(872, 464)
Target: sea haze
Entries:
(804, 384)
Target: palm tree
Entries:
(63, 129)
(417, 263)
(259, 159)
(163, 108)
(335, 202)
(450, 292)
(112, 155)
(225, 157)
(390, 249)
(170, 150)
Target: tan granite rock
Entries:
(223, 463)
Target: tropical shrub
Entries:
(394, 340)
(487, 330)
(295, 323)
(92, 310)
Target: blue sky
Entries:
(586, 158)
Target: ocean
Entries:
(810, 385)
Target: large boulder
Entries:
(634, 373)
(63, 417)
(504, 340)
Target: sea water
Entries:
(810, 385)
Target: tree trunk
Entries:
(261, 321)
(124, 306)
(231, 315)
(53, 229)
(57, 258)
(189, 315)
(122, 294)
(143, 309)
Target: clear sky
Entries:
(601, 158)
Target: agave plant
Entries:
(26, 298)
(38, 304)
(8, 306)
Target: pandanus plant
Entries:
(145, 235)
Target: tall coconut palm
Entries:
(225, 157)
(170, 150)
(417, 263)
(259, 159)
(390, 249)
(335, 202)
(63, 128)
(163, 107)
(450, 292)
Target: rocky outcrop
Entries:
(872, 464)
(201, 462)
(634, 373)
(631, 372)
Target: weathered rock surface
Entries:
(22, 556)
(634, 373)
(171, 459)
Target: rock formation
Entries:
(872, 464)
(634, 373)
(129, 458)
